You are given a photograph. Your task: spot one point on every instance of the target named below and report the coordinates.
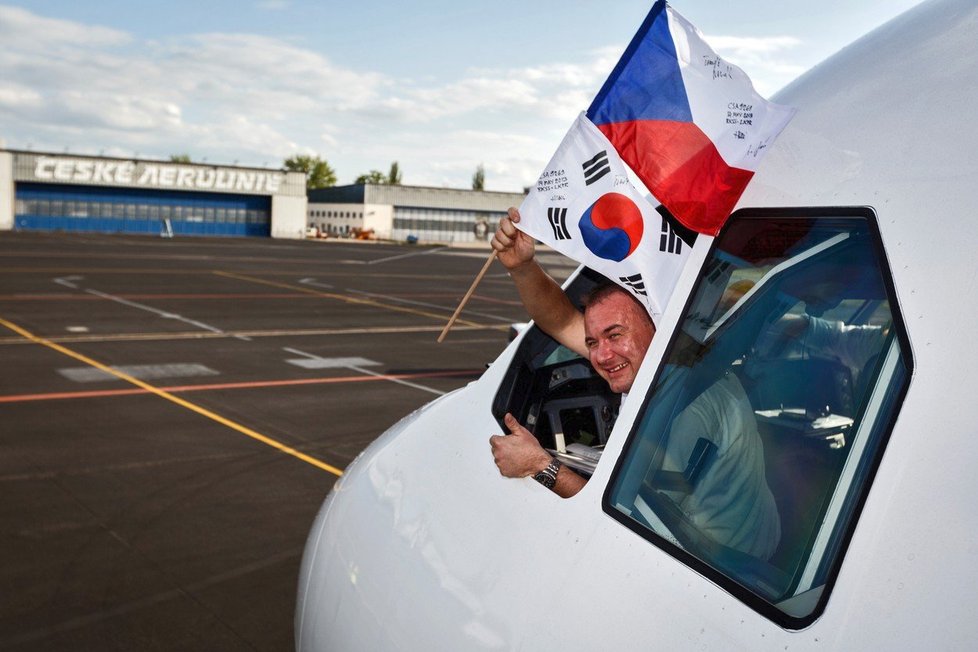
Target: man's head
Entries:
(617, 331)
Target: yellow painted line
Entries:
(207, 335)
(130, 271)
(94, 270)
(333, 380)
(268, 441)
(341, 297)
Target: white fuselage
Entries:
(423, 546)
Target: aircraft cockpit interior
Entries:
(767, 417)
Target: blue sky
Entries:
(440, 86)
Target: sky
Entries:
(440, 86)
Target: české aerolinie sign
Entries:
(151, 174)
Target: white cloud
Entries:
(327, 138)
(245, 96)
(256, 99)
(19, 28)
(19, 97)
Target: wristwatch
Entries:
(548, 476)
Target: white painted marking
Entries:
(312, 361)
(462, 340)
(68, 281)
(312, 281)
(413, 253)
(427, 305)
(356, 364)
(161, 313)
(143, 372)
(398, 381)
(77, 329)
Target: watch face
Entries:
(545, 479)
(548, 476)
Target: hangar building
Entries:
(397, 212)
(43, 191)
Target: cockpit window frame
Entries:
(872, 462)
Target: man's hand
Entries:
(514, 247)
(518, 454)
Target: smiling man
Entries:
(613, 332)
(730, 501)
(617, 333)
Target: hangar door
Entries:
(48, 207)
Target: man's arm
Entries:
(852, 345)
(519, 455)
(542, 297)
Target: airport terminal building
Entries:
(408, 213)
(44, 191)
(65, 192)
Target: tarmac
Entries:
(174, 411)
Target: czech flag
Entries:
(689, 124)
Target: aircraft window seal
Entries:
(783, 381)
(860, 441)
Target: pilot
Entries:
(732, 503)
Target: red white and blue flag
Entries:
(688, 123)
(690, 126)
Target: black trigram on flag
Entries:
(558, 222)
(635, 282)
(674, 233)
(596, 167)
(668, 241)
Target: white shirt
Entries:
(731, 501)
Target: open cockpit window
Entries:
(759, 437)
(557, 395)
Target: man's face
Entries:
(617, 334)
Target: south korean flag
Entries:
(584, 206)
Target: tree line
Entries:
(320, 174)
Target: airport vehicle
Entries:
(862, 216)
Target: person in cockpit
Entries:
(731, 502)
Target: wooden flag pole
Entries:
(465, 299)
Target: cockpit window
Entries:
(757, 443)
